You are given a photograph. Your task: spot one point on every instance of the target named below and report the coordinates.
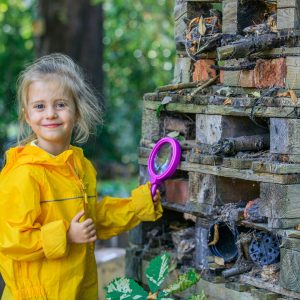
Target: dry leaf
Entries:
(297, 227)
(216, 235)
(293, 96)
(227, 101)
(284, 94)
(201, 26)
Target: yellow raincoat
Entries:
(39, 196)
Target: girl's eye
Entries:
(61, 104)
(39, 106)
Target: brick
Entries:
(177, 190)
(203, 71)
(222, 76)
(269, 73)
(247, 78)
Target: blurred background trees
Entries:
(125, 47)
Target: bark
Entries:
(74, 28)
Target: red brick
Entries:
(270, 72)
(182, 126)
(177, 190)
(203, 71)
(222, 76)
(247, 78)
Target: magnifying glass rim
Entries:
(176, 154)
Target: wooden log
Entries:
(280, 201)
(285, 136)
(289, 276)
(246, 46)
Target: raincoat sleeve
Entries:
(23, 237)
(116, 215)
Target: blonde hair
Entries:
(62, 68)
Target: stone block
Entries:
(150, 125)
(293, 72)
(269, 73)
(203, 71)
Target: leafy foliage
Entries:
(16, 49)
(125, 288)
(156, 273)
(138, 57)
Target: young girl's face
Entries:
(51, 114)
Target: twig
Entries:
(204, 85)
(177, 86)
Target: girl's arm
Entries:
(22, 236)
(116, 215)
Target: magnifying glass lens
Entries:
(163, 158)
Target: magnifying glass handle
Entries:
(153, 189)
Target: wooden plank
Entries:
(285, 136)
(237, 163)
(287, 3)
(275, 288)
(182, 70)
(280, 201)
(275, 167)
(261, 111)
(289, 276)
(230, 10)
(234, 173)
(150, 125)
(283, 223)
(288, 18)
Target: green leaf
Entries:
(160, 108)
(157, 271)
(184, 281)
(125, 288)
(198, 297)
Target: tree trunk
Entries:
(74, 28)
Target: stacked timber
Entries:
(234, 107)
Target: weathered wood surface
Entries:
(289, 276)
(183, 70)
(293, 72)
(288, 15)
(277, 52)
(287, 3)
(150, 125)
(260, 111)
(275, 167)
(280, 201)
(230, 11)
(283, 223)
(234, 173)
(236, 101)
(268, 286)
(244, 47)
(285, 136)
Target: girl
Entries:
(49, 214)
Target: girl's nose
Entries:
(51, 113)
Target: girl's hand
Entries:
(80, 233)
(156, 198)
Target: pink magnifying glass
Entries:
(163, 161)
